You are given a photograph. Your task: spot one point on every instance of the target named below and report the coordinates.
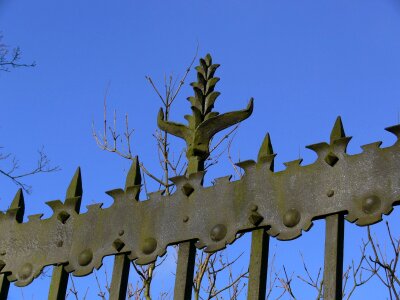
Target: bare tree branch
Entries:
(11, 168)
(10, 57)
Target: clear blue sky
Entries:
(304, 62)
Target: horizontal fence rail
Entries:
(337, 186)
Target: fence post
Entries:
(334, 240)
(259, 239)
(204, 123)
(59, 278)
(17, 205)
(120, 276)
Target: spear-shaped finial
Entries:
(18, 204)
(204, 123)
(133, 178)
(266, 148)
(266, 151)
(75, 186)
(337, 130)
(75, 190)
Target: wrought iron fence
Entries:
(337, 186)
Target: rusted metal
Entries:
(360, 188)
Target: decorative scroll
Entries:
(364, 185)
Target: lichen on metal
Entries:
(364, 186)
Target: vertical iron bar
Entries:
(203, 125)
(59, 279)
(59, 283)
(187, 251)
(333, 266)
(4, 286)
(258, 265)
(119, 282)
(18, 203)
(184, 271)
(120, 276)
(334, 238)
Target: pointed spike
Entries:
(246, 164)
(134, 177)
(337, 130)
(394, 129)
(94, 207)
(178, 180)
(19, 204)
(116, 194)
(340, 145)
(266, 148)
(371, 147)
(293, 163)
(321, 148)
(18, 200)
(35, 218)
(222, 180)
(55, 205)
(197, 177)
(75, 186)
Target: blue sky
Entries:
(304, 62)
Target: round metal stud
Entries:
(253, 207)
(371, 204)
(185, 219)
(60, 243)
(149, 245)
(121, 232)
(330, 193)
(218, 232)
(85, 257)
(291, 218)
(26, 271)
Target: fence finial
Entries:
(75, 186)
(18, 204)
(266, 148)
(73, 197)
(266, 152)
(133, 177)
(133, 180)
(337, 130)
(204, 123)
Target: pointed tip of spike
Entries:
(337, 130)
(161, 114)
(18, 204)
(18, 200)
(75, 186)
(266, 148)
(133, 177)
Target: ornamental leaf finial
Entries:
(204, 123)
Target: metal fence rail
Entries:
(337, 186)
